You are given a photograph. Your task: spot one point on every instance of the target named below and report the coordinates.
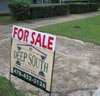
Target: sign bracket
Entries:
(14, 91)
(10, 76)
(52, 73)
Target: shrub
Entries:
(83, 8)
(49, 11)
(20, 9)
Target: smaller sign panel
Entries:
(32, 64)
(34, 38)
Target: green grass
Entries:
(8, 19)
(89, 30)
(5, 19)
(6, 89)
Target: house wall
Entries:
(4, 5)
(40, 1)
(31, 1)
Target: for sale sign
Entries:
(35, 38)
(32, 57)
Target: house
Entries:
(4, 5)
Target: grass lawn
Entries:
(7, 19)
(6, 90)
(89, 30)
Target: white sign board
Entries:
(33, 62)
(35, 38)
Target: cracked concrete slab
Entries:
(76, 70)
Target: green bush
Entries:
(83, 8)
(49, 11)
(20, 9)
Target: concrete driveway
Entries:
(77, 63)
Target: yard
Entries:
(83, 29)
(6, 89)
(9, 20)
(5, 19)
(87, 29)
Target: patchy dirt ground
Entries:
(76, 69)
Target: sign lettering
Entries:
(42, 40)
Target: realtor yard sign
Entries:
(32, 57)
(34, 38)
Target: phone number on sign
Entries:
(28, 78)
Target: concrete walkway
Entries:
(44, 22)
